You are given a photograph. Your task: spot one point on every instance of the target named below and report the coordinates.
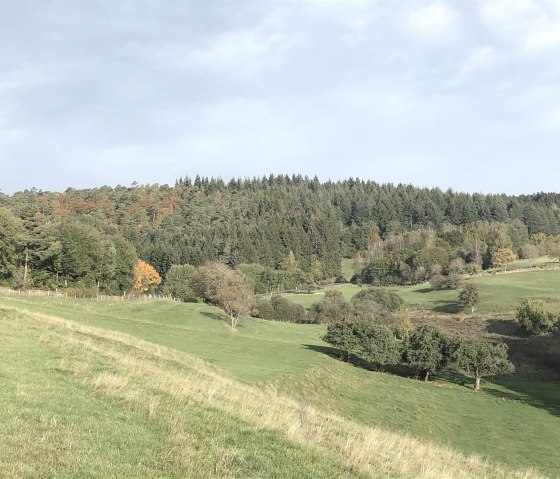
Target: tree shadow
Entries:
(397, 370)
(423, 290)
(451, 307)
(503, 327)
(539, 394)
(214, 316)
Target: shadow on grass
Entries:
(215, 316)
(539, 394)
(422, 290)
(504, 327)
(451, 307)
(397, 370)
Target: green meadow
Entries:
(513, 423)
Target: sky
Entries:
(461, 94)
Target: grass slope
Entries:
(201, 422)
(508, 416)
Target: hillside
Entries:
(277, 366)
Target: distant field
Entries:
(533, 263)
(306, 300)
(280, 357)
(499, 293)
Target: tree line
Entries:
(282, 231)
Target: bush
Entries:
(469, 297)
(388, 299)
(329, 309)
(280, 309)
(534, 318)
(472, 268)
(441, 282)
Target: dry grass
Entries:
(144, 374)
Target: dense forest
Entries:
(281, 231)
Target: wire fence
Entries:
(84, 295)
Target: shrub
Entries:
(534, 318)
(388, 299)
(469, 296)
(450, 281)
(329, 309)
(280, 309)
(472, 268)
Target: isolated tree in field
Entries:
(145, 276)
(375, 343)
(478, 359)
(221, 286)
(236, 299)
(427, 351)
(469, 297)
(534, 318)
(210, 278)
(502, 257)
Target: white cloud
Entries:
(355, 15)
(243, 52)
(551, 119)
(433, 21)
(383, 103)
(531, 25)
(23, 78)
(481, 59)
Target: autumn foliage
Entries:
(145, 276)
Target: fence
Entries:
(77, 295)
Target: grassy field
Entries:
(533, 262)
(499, 293)
(290, 361)
(306, 300)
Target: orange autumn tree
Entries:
(145, 276)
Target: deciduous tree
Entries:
(478, 359)
(502, 257)
(469, 296)
(145, 276)
(534, 318)
(427, 351)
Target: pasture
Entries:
(280, 360)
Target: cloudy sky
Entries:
(462, 94)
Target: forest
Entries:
(281, 232)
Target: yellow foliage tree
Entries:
(145, 276)
(503, 256)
